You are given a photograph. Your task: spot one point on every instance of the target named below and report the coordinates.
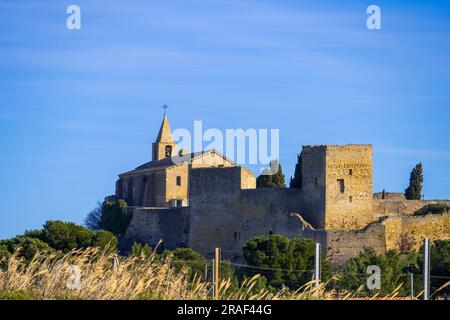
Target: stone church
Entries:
(164, 181)
(204, 200)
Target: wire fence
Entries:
(340, 283)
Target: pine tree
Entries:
(296, 181)
(414, 190)
(271, 178)
(278, 178)
(264, 180)
(383, 194)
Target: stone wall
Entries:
(345, 244)
(313, 185)
(248, 179)
(157, 186)
(402, 207)
(337, 186)
(211, 159)
(150, 225)
(224, 215)
(143, 189)
(173, 190)
(406, 233)
(334, 207)
(397, 196)
(348, 187)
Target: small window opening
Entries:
(341, 185)
(350, 172)
(178, 181)
(168, 151)
(351, 199)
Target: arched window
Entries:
(168, 151)
(178, 181)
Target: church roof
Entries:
(175, 160)
(164, 134)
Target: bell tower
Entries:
(164, 145)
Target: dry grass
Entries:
(54, 277)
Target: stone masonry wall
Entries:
(396, 196)
(143, 189)
(313, 185)
(348, 187)
(173, 190)
(211, 159)
(402, 207)
(224, 215)
(345, 244)
(406, 233)
(150, 225)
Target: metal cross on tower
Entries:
(165, 107)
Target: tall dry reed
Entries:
(91, 274)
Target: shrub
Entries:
(394, 270)
(439, 265)
(26, 247)
(271, 178)
(283, 261)
(433, 208)
(105, 239)
(139, 250)
(66, 236)
(115, 218)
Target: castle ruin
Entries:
(204, 200)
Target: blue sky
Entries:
(78, 107)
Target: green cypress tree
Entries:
(296, 181)
(414, 190)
